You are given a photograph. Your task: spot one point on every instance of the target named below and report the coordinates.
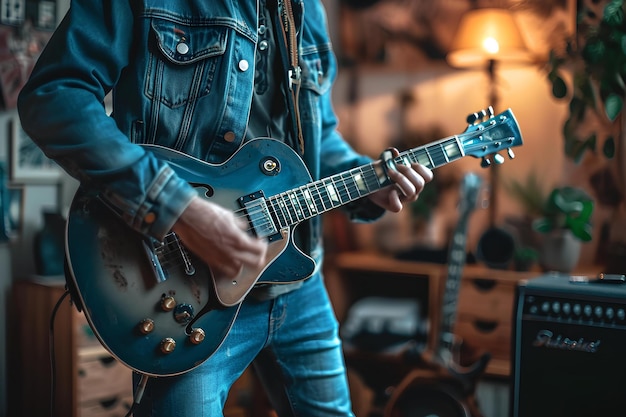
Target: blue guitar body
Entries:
(119, 287)
(161, 311)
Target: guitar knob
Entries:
(168, 345)
(498, 159)
(168, 303)
(183, 313)
(197, 336)
(485, 163)
(146, 326)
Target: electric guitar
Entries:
(161, 311)
(447, 352)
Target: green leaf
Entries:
(608, 149)
(613, 106)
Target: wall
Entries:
(16, 256)
(443, 98)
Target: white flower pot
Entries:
(560, 251)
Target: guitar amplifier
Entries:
(569, 347)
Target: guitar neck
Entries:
(456, 262)
(310, 200)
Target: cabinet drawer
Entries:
(479, 335)
(102, 377)
(488, 299)
(115, 406)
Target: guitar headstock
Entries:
(487, 135)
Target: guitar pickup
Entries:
(259, 216)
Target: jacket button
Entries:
(182, 48)
(243, 65)
(229, 136)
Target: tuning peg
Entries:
(485, 163)
(498, 159)
(490, 111)
(510, 153)
(471, 118)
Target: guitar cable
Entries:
(141, 385)
(52, 353)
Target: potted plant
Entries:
(566, 224)
(595, 127)
(562, 217)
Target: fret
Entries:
(297, 209)
(288, 207)
(277, 209)
(453, 150)
(340, 189)
(352, 189)
(322, 197)
(371, 178)
(309, 202)
(302, 202)
(421, 156)
(331, 192)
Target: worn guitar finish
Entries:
(158, 309)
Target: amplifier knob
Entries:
(598, 311)
(577, 309)
(545, 307)
(556, 307)
(621, 314)
(587, 310)
(168, 345)
(610, 313)
(567, 309)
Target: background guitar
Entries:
(445, 387)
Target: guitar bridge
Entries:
(259, 216)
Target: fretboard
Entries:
(307, 201)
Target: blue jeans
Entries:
(294, 339)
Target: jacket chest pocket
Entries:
(183, 61)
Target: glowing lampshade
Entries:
(486, 35)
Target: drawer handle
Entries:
(109, 403)
(483, 284)
(107, 360)
(485, 326)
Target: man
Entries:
(204, 78)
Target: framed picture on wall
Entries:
(28, 163)
(15, 210)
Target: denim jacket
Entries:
(181, 75)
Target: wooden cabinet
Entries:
(485, 299)
(87, 382)
(485, 314)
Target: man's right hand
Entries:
(219, 239)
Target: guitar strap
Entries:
(290, 39)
